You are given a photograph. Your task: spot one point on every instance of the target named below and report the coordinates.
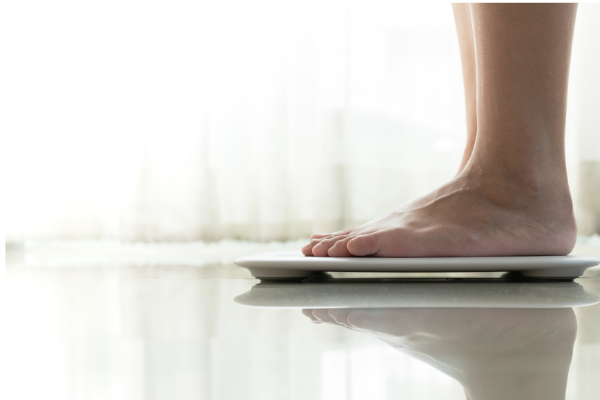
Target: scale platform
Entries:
(293, 265)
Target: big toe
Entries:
(364, 245)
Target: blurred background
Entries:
(261, 121)
(148, 144)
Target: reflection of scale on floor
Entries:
(293, 265)
(417, 293)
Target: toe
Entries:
(321, 249)
(364, 245)
(360, 319)
(322, 314)
(308, 312)
(340, 315)
(307, 249)
(340, 248)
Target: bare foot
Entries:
(493, 353)
(512, 198)
(475, 214)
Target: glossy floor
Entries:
(102, 323)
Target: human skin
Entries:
(512, 196)
(464, 30)
(492, 353)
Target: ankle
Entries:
(528, 190)
(523, 179)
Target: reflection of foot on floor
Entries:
(472, 215)
(493, 353)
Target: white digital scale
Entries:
(293, 265)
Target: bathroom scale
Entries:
(410, 293)
(293, 265)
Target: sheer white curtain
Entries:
(259, 120)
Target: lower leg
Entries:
(464, 29)
(522, 54)
(512, 197)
